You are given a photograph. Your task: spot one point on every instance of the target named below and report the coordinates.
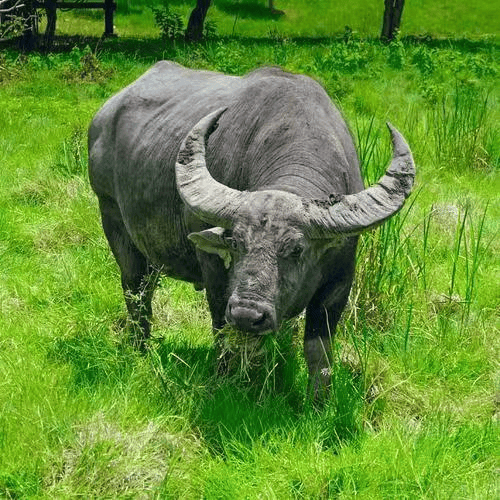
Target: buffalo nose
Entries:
(250, 317)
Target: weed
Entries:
(425, 60)
(210, 31)
(21, 484)
(172, 26)
(397, 54)
(281, 46)
(85, 67)
(9, 70)
(342, 57)
(170, 23)
(470, 238)
(72, 156)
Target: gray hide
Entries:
(257, 214)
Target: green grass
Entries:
(413, 413)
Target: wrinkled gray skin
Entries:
(249, 214)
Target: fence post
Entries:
(109, 8)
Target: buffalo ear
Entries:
(212, 241)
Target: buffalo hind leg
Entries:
(138, 295)
(138, 277)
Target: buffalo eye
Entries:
(296, 252)
(231, 241)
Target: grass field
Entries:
(251, 18)
(415, 408)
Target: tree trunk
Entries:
(392, 19)
(194, 30)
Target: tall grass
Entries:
(459, 127)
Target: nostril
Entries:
(249, 317)
(261, 320)
(245, 313)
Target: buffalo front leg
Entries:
(215, 280)
(138, 277)
(322, 316)
(317, 352)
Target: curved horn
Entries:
(355, 213)
(210, 200)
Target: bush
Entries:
(397, 55)
(170, 23)
(86, 66)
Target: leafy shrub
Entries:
(424, 60)
(481, 66)
(343, 57)
(338, 86)
(8, 69)
(229, 58)
(210, 30)
(432, 92)
(170, 23)
(472, 66)
(397, 54)
(86, 66)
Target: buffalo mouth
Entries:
(251, 316)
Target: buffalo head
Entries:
(275, 244)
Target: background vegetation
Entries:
(415, 408)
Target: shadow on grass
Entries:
(153, 49)
(231, 412)
(237, 410)
(249, 10)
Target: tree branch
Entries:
(17, 5)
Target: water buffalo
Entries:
(247, 186)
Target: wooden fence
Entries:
(109, 7)
(28, 9)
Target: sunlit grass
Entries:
(251, 18)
